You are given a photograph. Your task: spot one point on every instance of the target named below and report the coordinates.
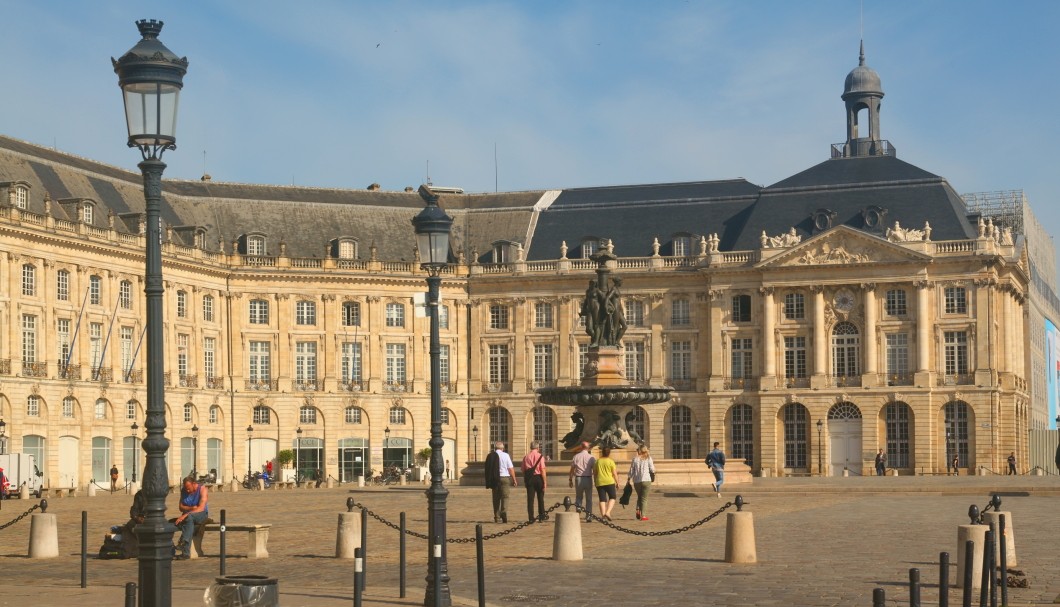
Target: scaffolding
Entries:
(1005, 207)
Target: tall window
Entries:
(956, 300)
(545, 430)
(499, 424)
(498, 364)
(682, 246)
(29, 339)
(956, 418)
(33, 406)
(347, 249)
(680, 312)
(742, 358)
(680, 432)
(182, 304)
(544, 363)
(795, 357)
(68, 407)
(182, 356)
(589, 248)
(634, 312)
(189, 412)
(636, 363)
(846, 350)
(209, 357)
(256, 245)
(101, 409)
(95, 290)
(29, 280)
(637, 424)
(86, 213)
(897, 353)
(956, 343)
(126, 346)
(681, 360)
(259, 312)
(795, 424)
(305, 361)
(130, 410)
(262, 415)
(305, 313)
(215, 414)
(207, 308)
(443, 364)
(21, 200)
(498, 317)
(543, 315)
(794, 306)
(897, 420)
(351, 314)
(443, 317)
(353, 415)
(395, 315)
(35, 445)
(743, 434)
(62, 330)
(125, 295)
(397, 415)
(895, 304)
(62, 285)
(259, 361)
(307, 415)
(741, 308)
(395, 363)
(351, 362)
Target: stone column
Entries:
(871, 346)
(923, 327)
(769, 343)
(820, 341)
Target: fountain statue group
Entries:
(605, 318)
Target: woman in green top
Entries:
(605, 477)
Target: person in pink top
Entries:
(535, 479)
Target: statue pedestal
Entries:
(605, 367)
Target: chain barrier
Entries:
(20, 517)
(582, 511)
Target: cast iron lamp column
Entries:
(195, 451)
(474, 440)
(820, 446)
(298, 457)
(432, 234)
(135, 428)
(1057, 462)
(3, 437)
(250, 436)
(699, 429)
(151, 77)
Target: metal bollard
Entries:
(481, 565)
(1004, 560)
(84, 549)
(436, 564)
(944, 579)
(879, 597)
(914, 587)
(224, 545)
(988, 552)
(969, 554)
(130, 594)
(364, 546)
(401, 558)
(993, 567)
(358, 576)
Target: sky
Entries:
(530, 95)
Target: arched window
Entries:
(95, 290)
(215, 414)
(307, 415)
(637, 424)
(33, 406)
(846, 350)
(101, 409)
(589, 247)
(896, 416)
(262, 415)
(354, 415)
(125, 295)
(397, 415)
(796, 422)
(351, 314)
(101, 458)
(545, 430)
(499, 424)
(214, 457)
(844, 411)
(69, 407)
(21, 196)
(189, 412)
(680, 432)
(742, 434)
(207, 308)
(957, 420)
(87, 213)
(682, 245)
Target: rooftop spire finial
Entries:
(861, 54)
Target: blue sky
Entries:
(344, 94)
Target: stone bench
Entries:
(283, 484)
(59, 492)
(258, 536)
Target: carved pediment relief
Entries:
(844, 246)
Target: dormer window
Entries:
(86, 213)
(348, 249)
(682, 245)
(500, 253)
(255, 245)
(822, 219)
(200, 239)
(21, 196)
(589, 247)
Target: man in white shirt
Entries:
(499, 463)
(581, 478)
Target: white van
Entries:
(21, 469)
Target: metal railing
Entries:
(308, 385)
(34, 369)
(844, 381)
(741, 383)
(960, 379)
(397, 386)
(215, 382)
(796, 382)
(262, 385)
(900, 379)
(504, 386)
(352, 385)
(189, 381)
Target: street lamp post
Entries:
(699, 429)
(1057, 462)
(474, 440)
(250, 436)
(136, 449)
(386, 445)
(151, 77)
(195, 451)
(432, 227)
(820, 446)
(3, 437)
(298, 456)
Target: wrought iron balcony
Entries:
(352, 385)
(72, 372)
(308, 385)
(796, 382)
(683, 385)
(102, 374)
(215, 382)
(262, 385)
(134, 376)
(5, 366)
(741, 383)
(446, 387)
(534, 385)
(189, 381)
(959, 379)
(900, 379)
(397, 386)
(493, 387)
(34, 369)
(844, 381)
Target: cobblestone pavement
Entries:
(819, 541)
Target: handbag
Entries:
(652, 474)
(626, 494)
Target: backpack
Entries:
(709, 461)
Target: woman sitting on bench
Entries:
(193, 508)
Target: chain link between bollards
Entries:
(19, 517)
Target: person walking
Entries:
(535, 479)
(113, 478)
(956, 460)
(1012, 463)
(500, 478)
(605, 477)
(716, 461)
(881, 463)
(641, 474)
(581, 479)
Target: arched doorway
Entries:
(353, 458)
(69, 461)
(844, 439)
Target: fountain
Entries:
(604, 401)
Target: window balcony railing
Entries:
(166, 376)
(263, 385)
(545, 383)
(72, 372)
(844, 381)
(215, 382)
(189, 381)
(492, 387)
(397, 386)
(352, 385)
(796, 382)
(683, 384)
(5, 366)
(900, 379)
(308, 385)
(447, 387)
(959, 379)
(741, 383)
(34, 369)
(134, 376)
(102, 374)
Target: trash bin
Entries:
(243, 591)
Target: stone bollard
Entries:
(233, 485)
(567, 537)
(402, 481)
(43, 536)
(982, 471)
(261, 484)
(132, 487)
(1039, 472)
(331, 483)
(846, 472)
(23, 492)
(91, 489)
(994, 518)
(977, 534)
(740, 535)
(348, 536)
(893, 472)
(360, 481)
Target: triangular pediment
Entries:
(844, 245)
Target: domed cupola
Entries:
(863, 91)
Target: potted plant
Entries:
(423, 458)
(285, 457)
